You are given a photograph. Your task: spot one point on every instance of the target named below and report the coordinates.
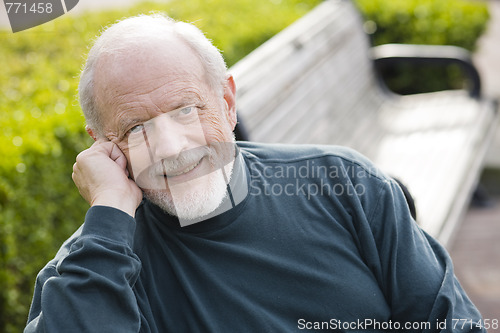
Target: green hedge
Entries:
(42, 130)
(435, 22)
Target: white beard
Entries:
(193, 199)
(203, 198)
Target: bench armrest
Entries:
(389, 54)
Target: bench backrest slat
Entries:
(303, 77)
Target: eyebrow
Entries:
(187, 100)
(125, 124)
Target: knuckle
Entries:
(80, 156)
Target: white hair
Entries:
(133, 32)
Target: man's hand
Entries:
(101, 175)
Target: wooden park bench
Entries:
(316, 82)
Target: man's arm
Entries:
(88, 286)
(414, 270)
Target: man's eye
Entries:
(136, 129)
(186, 111)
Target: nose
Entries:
(167, 138)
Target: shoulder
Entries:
(345, 159)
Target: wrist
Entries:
(109, 223)
(125, 204)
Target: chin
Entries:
(191, 200)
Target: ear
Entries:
(91, 133)
(230, 99)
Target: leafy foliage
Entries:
(42, 130)
(434, 22)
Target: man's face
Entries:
(174, 130)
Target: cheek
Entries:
(216, 128)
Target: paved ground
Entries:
(476, 248)
(476, 255)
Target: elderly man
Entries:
(189, 231)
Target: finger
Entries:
(118, 156)
(76, 170)
(103, 145)
(112, 150)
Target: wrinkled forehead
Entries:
(142, 64)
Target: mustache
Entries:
(184, 160)
(218, 155)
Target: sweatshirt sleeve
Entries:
(414, 270)
(88, 286)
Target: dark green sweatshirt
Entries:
(323, 241)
